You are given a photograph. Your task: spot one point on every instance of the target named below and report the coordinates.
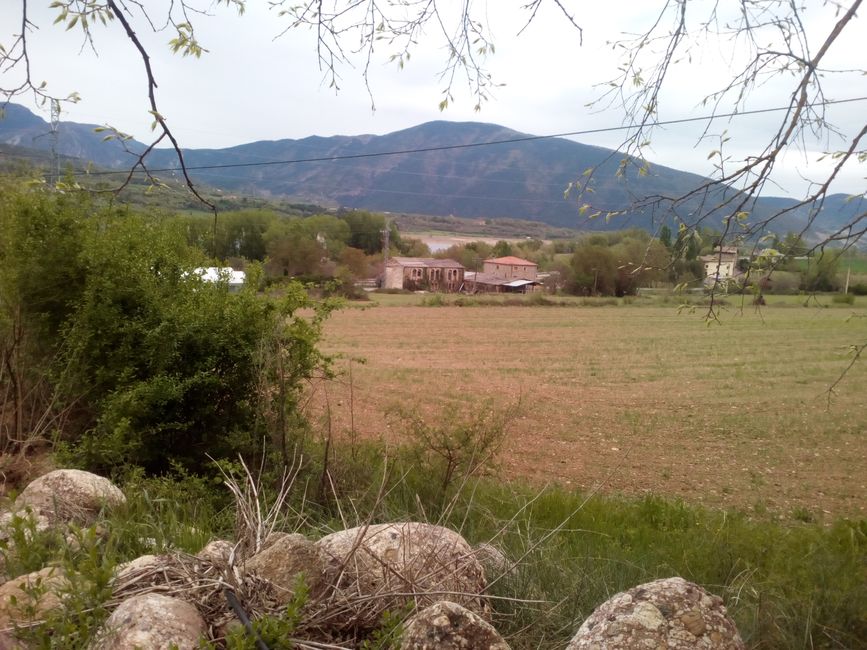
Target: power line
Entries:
(471, 145)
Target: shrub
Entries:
(157, 363)
(859, 289)
(843, 298)
(436, 300)
(457, 443)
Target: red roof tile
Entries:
(512, 260)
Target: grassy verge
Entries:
(648, 299)
(787, 586)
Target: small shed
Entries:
(488, 283)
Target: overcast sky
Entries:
(252, 86)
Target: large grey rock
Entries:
(492, 559)
(126, 570)
(670, 613)
(216, 552)
(283, 557)
(30, 597)
(69, 495)
(385, 566)
(152, 621)
(448, 626)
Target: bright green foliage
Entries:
(24, 548)
(275, 632)
(41, 279)
(87, 570)
(158, 364)
(167, 360)
(40, 233)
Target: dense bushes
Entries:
(147, 361)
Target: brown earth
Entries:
(632, 400)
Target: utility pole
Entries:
(848, 273)
(54, 173)
(386, 234)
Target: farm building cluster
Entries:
(500, 275)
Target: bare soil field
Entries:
(630, 400)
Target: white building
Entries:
(233, 279)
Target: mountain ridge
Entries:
(519, 180)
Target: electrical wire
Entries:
(471, 145)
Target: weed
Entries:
(455, 444)
(24, 547)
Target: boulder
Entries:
(217, 552)
(283, 557)
(30, 597)
(670, 613)
(9, 642)
(152, 621)
(69, 495)
(125, 570)
(492, 559)
(400, 563)
(448, 626)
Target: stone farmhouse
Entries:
(504, 275)
(423, 273)
(720, 265)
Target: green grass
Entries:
(647, 299)
(795, 585)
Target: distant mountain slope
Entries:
(519, 180)
(523, 180)
(22, 128)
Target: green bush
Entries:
(151, 362)
(843, 298)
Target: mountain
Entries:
(519, 180)
(20, 127)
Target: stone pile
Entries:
(352, 577)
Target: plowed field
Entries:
(631, 399)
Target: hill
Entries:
(518, 180)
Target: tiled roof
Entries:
(425, 262)
(512, 261)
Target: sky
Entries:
(253, 84)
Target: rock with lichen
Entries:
(67, 495)
(217, 552)
(152, 621)
(387, 567)
(448, 626)
(30, 597)
(282, 560)
(670, 613)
